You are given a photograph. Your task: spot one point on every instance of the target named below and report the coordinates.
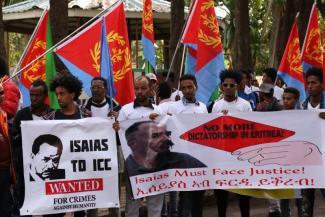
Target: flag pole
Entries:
(181, 69)
(29, 42)
(179, 43)
(63, 40)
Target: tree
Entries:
(176, 26)
(59, 20)
(241, 52)
(3, 52)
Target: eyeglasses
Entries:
(229, 85)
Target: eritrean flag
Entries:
(44, 68)
(81, 53)
(147, 37)
(202, 34)
(312, 48)
(290, 69)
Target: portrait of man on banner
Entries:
(151, 146)
(45, 158)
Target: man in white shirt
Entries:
(140, 108)
(230, 103)
(189, 202)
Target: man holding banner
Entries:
(141, 108)
(190, 201)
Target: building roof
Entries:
(22, 17)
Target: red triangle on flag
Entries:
(230, 133)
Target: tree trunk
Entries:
(277, 11)
(59, 20)
(176, 26)
(241, 54)
(303, 19)
(3, 52)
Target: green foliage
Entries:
(17, 44)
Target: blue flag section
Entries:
(293, 82)
(106, 69)
(208, 78)
(149, 51)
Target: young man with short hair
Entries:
(231, 103)
(314, 101)
(190, 202)
(68, 89)
(38, 110)
(290, 102)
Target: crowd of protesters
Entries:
(238, 93)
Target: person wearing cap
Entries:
(269, 103)
(154, 87)
(267, 100)
(269, 77)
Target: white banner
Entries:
(69, 165)
(271, 150)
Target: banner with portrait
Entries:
(69, 165)
(270, 150)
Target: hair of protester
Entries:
(100, 79)
(133, 128)
(232, 74)
(40, 83)
(71, 83)
(246, 72)
(271, 73)
(4, 69)
(188, 77)
(293, 91)
(144, 77)
(164, 90)
(48, 139)
(317, 72)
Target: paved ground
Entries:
(259, 208)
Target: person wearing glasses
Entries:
(231, 103)
(150, 145)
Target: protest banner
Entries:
(69, 165)
(274, 150)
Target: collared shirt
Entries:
(132, 111)
(180, 107)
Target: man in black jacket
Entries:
(38, 110)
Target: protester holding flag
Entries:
(230, 80)
(38, 110)
(314, 101)
(141, 108)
